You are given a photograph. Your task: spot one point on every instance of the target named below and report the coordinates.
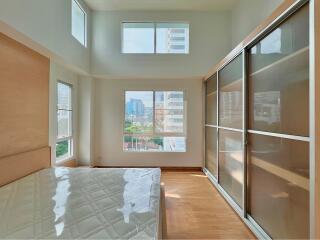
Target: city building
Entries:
(135, 107)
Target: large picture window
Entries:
(158, 38)
(64, 143)
(154, 121)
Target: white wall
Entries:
(48, 22)
(248, 14)
(109, 120)
(86, 120)
(60, 73)
(210, 40)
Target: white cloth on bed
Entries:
(82, 203)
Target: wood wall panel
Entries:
(24, 98)
(22, 164)
(24, 111)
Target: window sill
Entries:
(65, 162)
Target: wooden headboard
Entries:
(24, 110)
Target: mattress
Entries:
(69, 203)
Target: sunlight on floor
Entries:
(198, 175)
(172, 195)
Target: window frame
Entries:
(154, 133)
(70, 138)
(155, 23)
(84, 43)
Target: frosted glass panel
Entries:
(230, 94)
(211, 150)
(211, 104)
(231, 163)
(279, 79)
(279, 186)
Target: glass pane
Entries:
(169, 121)
(169, 112)
(138, 38)
(211, 150)
(211, 102)
(139, 112)
(64, 123)
(279, 186)
(231, 164)
(172, 38)
(230, 94)
(64, 96)
(78, 23)
(279, 79)
(156, 144)
(63, 150)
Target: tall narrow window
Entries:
(154, 121)
(79, 18)
(64, 144)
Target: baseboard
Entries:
(182, 169)
(175, 169)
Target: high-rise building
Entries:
(177, 41)
(135, 107)
(173, 119)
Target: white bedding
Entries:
(82, 203)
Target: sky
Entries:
(145, 96)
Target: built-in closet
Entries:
(259, 142)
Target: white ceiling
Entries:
(174, 5)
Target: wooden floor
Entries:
(195, 209)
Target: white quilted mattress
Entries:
(82, 203)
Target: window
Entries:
(79, 18)
(64, 144)
(159, 38)
(154, 121)
(138, 38)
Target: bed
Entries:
(69, 203)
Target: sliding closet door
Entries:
(231, 129)
(211, 126)
(278, 154)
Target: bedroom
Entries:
(102, 100)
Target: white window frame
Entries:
(84, 43)
(154, 133)
(70, 138)
(155, 37)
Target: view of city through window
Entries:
(146, 37)
(154, 121)
(64, 121)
